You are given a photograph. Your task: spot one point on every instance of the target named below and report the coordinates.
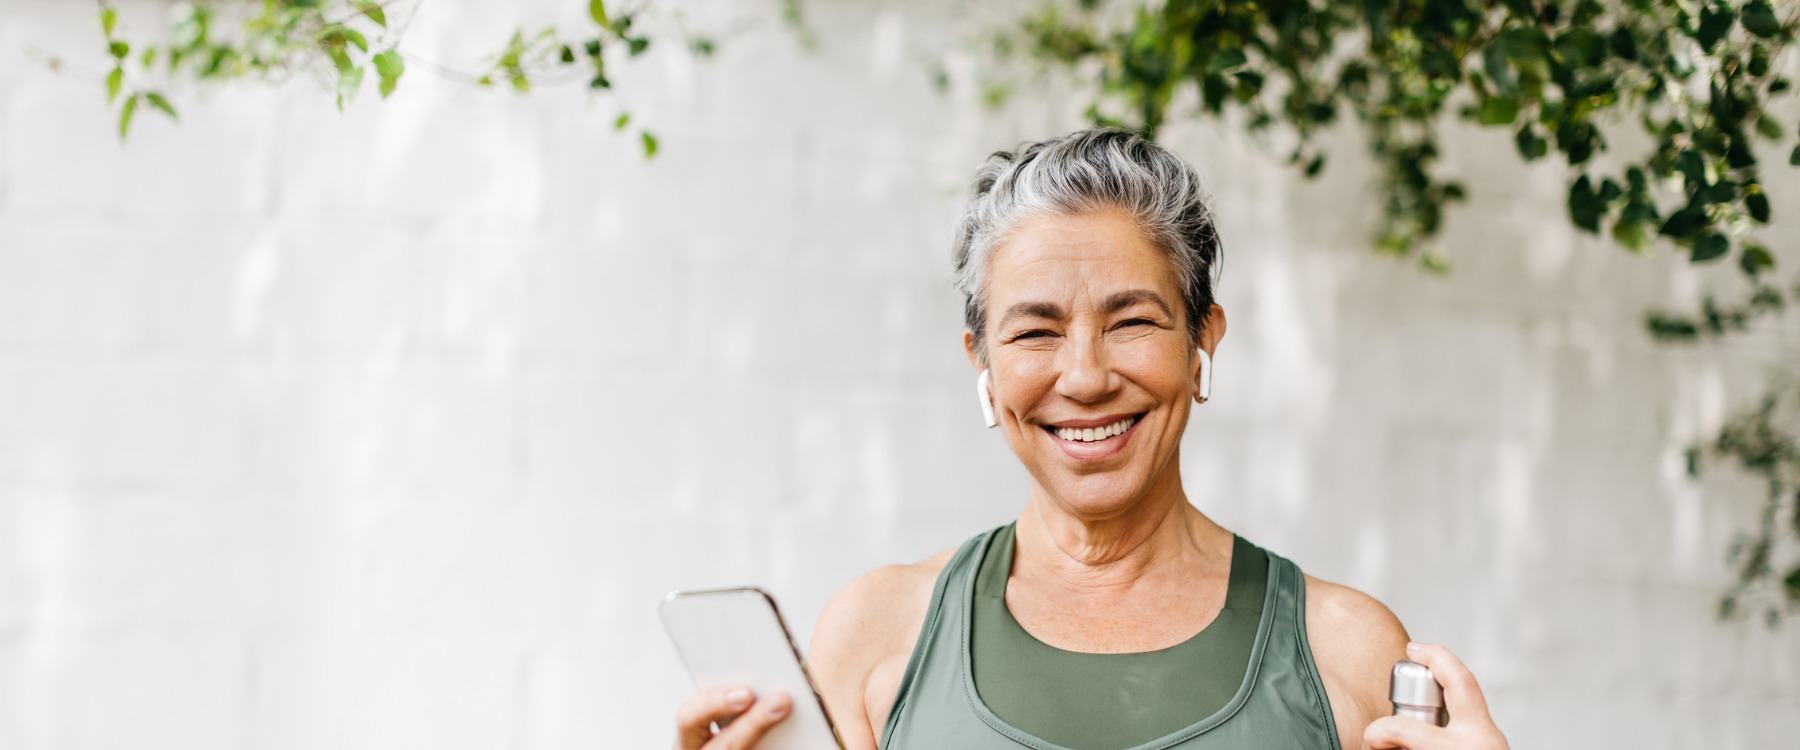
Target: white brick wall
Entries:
(388, 429)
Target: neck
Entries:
(1160, 532)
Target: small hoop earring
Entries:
(987, 400)
(1205, 376)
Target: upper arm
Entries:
(861, 643)
(1355, 641)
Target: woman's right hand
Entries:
(749, 718)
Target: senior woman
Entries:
(1112, 613)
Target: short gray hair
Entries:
(1084, 172)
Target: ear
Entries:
(1211, 332)
(969, 349)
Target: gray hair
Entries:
(1084, 172)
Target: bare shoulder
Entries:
(862, 642)
(884, 603)
(1355, 641)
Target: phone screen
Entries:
(737, 637)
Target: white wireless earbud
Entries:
(1205, 376)
(987, 401)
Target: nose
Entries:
(1086, 375)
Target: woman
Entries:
(1112, 613)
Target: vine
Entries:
(345, 42)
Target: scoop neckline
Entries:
(1258, 646)
(1231, 574)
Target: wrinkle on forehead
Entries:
(1078, 258)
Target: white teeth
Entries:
(1094, 434)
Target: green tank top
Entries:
(1279, 701)
(1108, 701)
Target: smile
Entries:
(1093, 434)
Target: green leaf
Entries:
(649, 144)
(373, 11)
(624, 120)
(1498, 110)
(1631, 234)
(1578, 140)
(521, 84)
(1794, 158)
(109, 18)
(1226, 59)
(1314, 167)
(1581, 47)
(118, 49)
(1685, 223)
(1624, 45)
(1756, 259)
(1768, 128)
(355, 37)
(1585, 206)
(114, 80)
(638, 45)
(1715, 21)
(597, 11)
(1527, 48)
(389, 67)
(1759, 19)
(156, 100)
(1531, 146)
(1711, 245)
(1493, 62)
(125, 113)
(1757, 204)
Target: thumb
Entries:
(1403, 732)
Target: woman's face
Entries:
(1089, 360)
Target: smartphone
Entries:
(737, 637)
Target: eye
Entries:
(1032, 334)
(1136, 322)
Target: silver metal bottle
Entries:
(1417, 694)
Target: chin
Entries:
(1098, 497)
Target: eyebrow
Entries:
(1112, 304)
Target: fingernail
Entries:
(739, 697)
(1413, 648)
(778, 710)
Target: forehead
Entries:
(1055, 255)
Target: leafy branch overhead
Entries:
(1697, 77)
(343, 42)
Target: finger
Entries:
(1403, 732)
(695, 717)
(1462, 695)
(750, 726)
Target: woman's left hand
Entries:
(1470, 726)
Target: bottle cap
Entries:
(1413, 685)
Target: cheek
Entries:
(1157, 367)
(1022, 378)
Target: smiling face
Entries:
(1089, 359)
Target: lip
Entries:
(1098, 450)
(1080, 424)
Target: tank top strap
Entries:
(939, 637)
(1287, 676)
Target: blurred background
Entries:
(388, 428)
